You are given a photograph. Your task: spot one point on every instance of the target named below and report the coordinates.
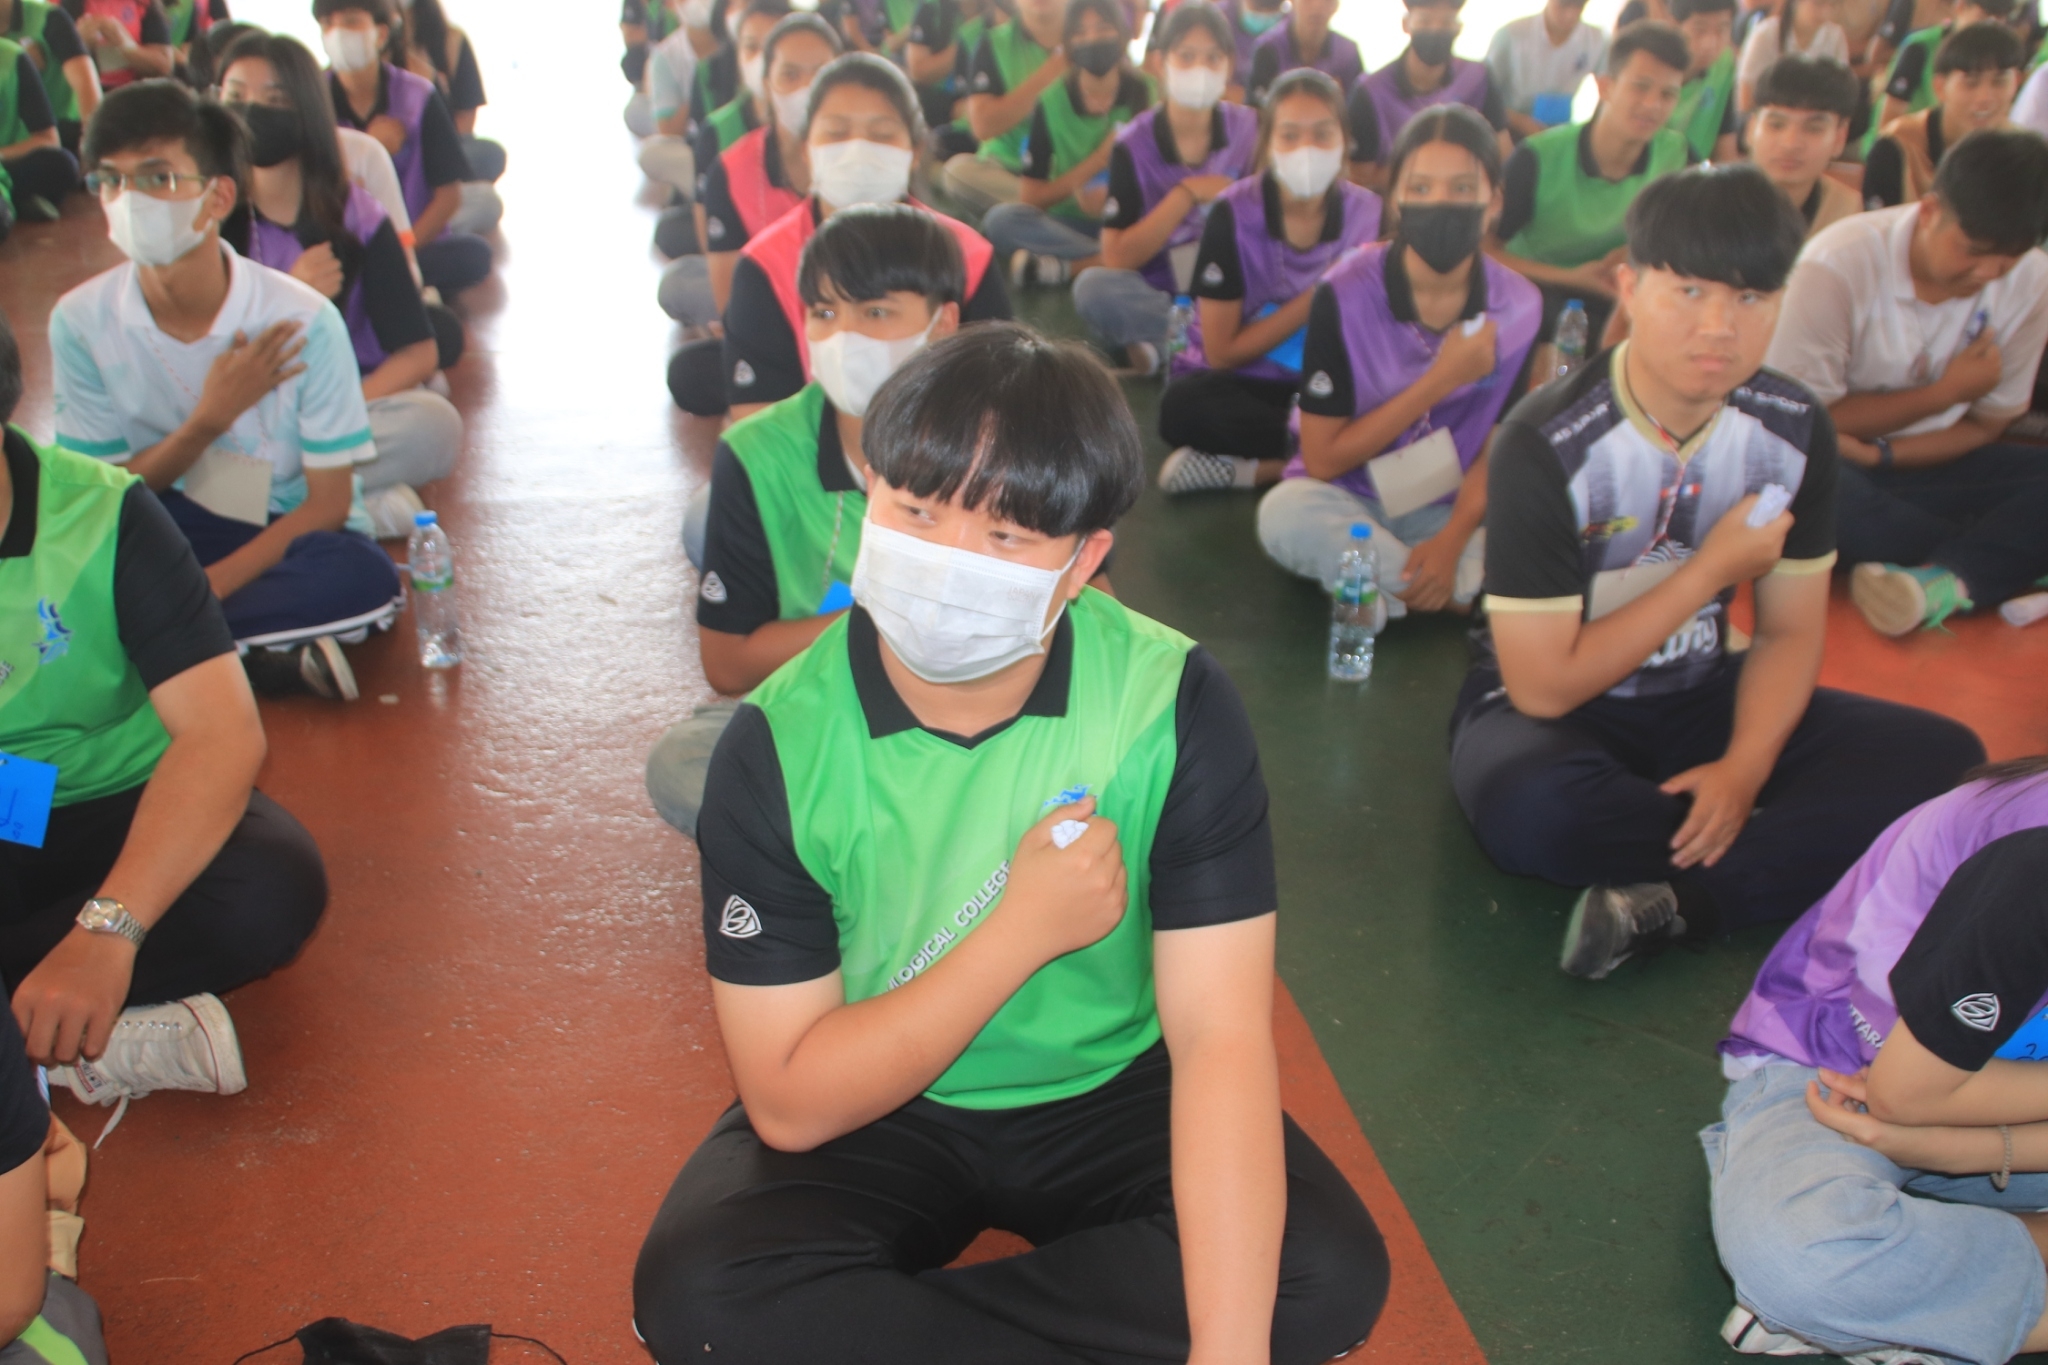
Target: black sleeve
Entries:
(633, 12)
(1532, 533)
(1219, 272)
(217, 11)
(31, 101)
(60, 35)
(1813, 506)
(762, 363)
(1496, 112)
(1265, 70)
(1907, 72)
(164, 608)
(156, 29)
(24, 1113)
(1326, 387)
(990, 301)
(1365, 125)
(1898, 22)
(1731, 122)
(1038, 147)
(397, 315)
(440, 147)
(1125, 207)
(1517, 193)
(986, 78)
(1212, 856)
(738, 593)
(932, 29)
(724, 229)
(466, 86)
(1979, 962)
(767, 922)
(1884, 175)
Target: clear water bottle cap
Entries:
(1574, 306)
(1361, 530)
(424, 518)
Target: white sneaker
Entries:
(1020, 268)
(392, 509)
(1143, 359)
(188, 1044)
(1746, 1332)
(1052, 270)
(1188, 470)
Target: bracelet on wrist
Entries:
(1884, 452)
(2004, 1176)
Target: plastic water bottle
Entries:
(1178, 323)
(1355, 608)
(431, 560)
(1571, 338)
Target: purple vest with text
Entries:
(406, 98)
(1156, 176)
(1387, 355)
(1340, 60)
(1275, 272)
(1464, 84)
(280, 249)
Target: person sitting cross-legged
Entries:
(1606, 736)
(989, 907)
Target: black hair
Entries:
(875, 73)
(1658, 40)
(1682, 10)
(996, 415)
(382, 12)
(1194, 14)
(1994, 183)
(1980, 48)
(10, 371)
(1728, 224)
(323, 196)
(801, 21)
(872, 250)
(202, 65)
(778, 10)
(1434, 4)
(1303, 80)
(2000, 10)
(1800, 81)
(426, 29)
(2009, 770)
(163, 110)
(1111, 12)
(1458, 124)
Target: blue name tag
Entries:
(1288, 352)
(1551, 109)
(2030, 1044)
(837, 598)
(27, 789)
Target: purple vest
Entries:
(1464, 84)
(1824, 995)
(1233, 10)
(279, 249)
(1275, 272)
(406, 98)
(1387, 355)
(1156, 176)
(1340, 60)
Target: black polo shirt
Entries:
(1978, 964)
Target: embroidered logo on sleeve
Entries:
(738, 919)
(1108, 210)
(1213, 274)
(712, 589)
(1319, 384)
(743, 374)
(714, 228)
(1979, 1011)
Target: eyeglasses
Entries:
(157, 184)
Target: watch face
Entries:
(96, 916)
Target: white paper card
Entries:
(1182, 259)
(1614, 589)
(1417, 474)
(232, 485)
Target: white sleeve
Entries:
(87, 421)
(369, 165)
(2020, 348)
(1500, 67)
(1816, 326)
(1756, 57)
(2030, 110)
(1831, 41)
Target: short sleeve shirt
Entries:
(441, 154)
(1976, 971)
(1523, 63)
(24, 1103)
(1370, 142)
(670, 71)
(369, 165)
(31, 101)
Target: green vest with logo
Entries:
(1703, 106)
(813, 535)
(1075, 136)
(1017, 55)
(30, 17)
(732, 120)
(69, 695)
(1923, 93)
(911, 835)
(1580, 217)
(13, 128)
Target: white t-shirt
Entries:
(2030, 110)
(1761, 48)
(122, 384)
(1523, 63)
(369, 165)
(670, 70)
(1851, 324)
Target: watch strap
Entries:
(118, 920)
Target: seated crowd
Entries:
(988, 875)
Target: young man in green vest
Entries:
(1909, 81)
(1017, 62)
(69, 78)
(1565, 192)
(39, 172)
(1705, 111)
(989, 911)
(131, 744)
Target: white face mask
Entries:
(852, 367)
(790, 109)
(350, 49)
(860, 172)
(154, 231)
(696, 14)
(1195, 87)
(949, 614)
(1308, 171)
(752, 73)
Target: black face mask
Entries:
(1442, 234)
(1432, 48)
(274, 135)
(1097, 59)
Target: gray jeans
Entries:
(1121, 307)
(685, 292)
(978, 184)
(1305, 525)
(1020, 227)
(679, 760)
(418, 435)
(481, 208)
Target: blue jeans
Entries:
(1121, 307)
(1831, 1242)
(328, 583)
(1020, 227)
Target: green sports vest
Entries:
(911, 835)
(68, 693)
(813, 535)
(1017, 55)
(1075, 136)
(899, 14)
(1580, 217)
(178, 14)
(1703, 105)
(1923, 93)
(13, 128)
(732, 120)
(29, 18)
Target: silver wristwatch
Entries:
(105, 915)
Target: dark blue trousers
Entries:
(326, 578)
